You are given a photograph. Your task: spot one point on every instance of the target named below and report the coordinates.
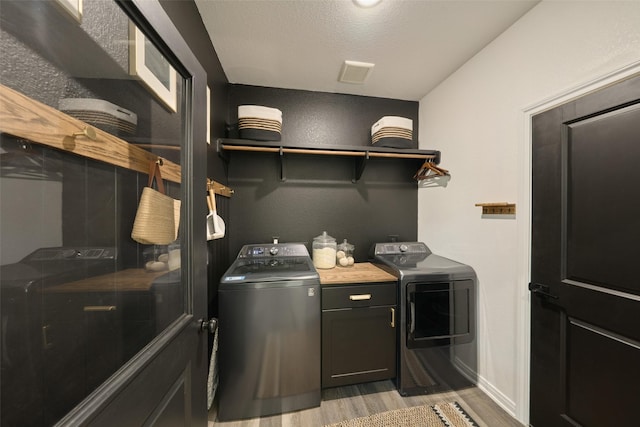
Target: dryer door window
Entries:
(439, 314)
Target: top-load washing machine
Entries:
(269, 332)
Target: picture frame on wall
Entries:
(152, 68)
(72, 7)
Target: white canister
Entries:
(324, 251)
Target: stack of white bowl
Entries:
(259, 123)
(101, 114)
(392, 131)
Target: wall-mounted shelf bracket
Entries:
(283, 171)
(501, 208)
(224, 155)
(360, 164)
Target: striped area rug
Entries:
(441, 415)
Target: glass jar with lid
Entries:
(324, 251)
(344, 254)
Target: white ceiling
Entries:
(301, 44)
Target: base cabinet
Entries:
(358, 333)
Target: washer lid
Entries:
(245, 270)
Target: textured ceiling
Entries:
(301, 44)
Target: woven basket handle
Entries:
(154, 172)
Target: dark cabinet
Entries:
(358, 333)
(86, 335)
(80, 348)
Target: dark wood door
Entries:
(585, 333)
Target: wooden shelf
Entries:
(24, 117)
(27, 118)
(360, 153)
(129, 280)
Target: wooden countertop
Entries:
(132, 279)
(362, 272)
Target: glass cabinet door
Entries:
(79, 297)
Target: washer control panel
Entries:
(274, 250)
(395, 248)
(72, 253)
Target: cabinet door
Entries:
(358, 345)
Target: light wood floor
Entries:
(343, 403)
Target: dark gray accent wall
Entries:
(318, 194)
(320, 118)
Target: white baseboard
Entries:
(497, 396)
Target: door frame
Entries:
(523, 321)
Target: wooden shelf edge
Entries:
(24, 117)
(364, 151)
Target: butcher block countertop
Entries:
(362, 272)
(132, 279)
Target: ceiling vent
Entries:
(355, 72)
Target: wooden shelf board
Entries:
(133, 279)
(24, 117)
(27, 118)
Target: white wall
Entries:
(477, 119)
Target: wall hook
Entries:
(500, 208)
(69, 141)
(87, 131)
